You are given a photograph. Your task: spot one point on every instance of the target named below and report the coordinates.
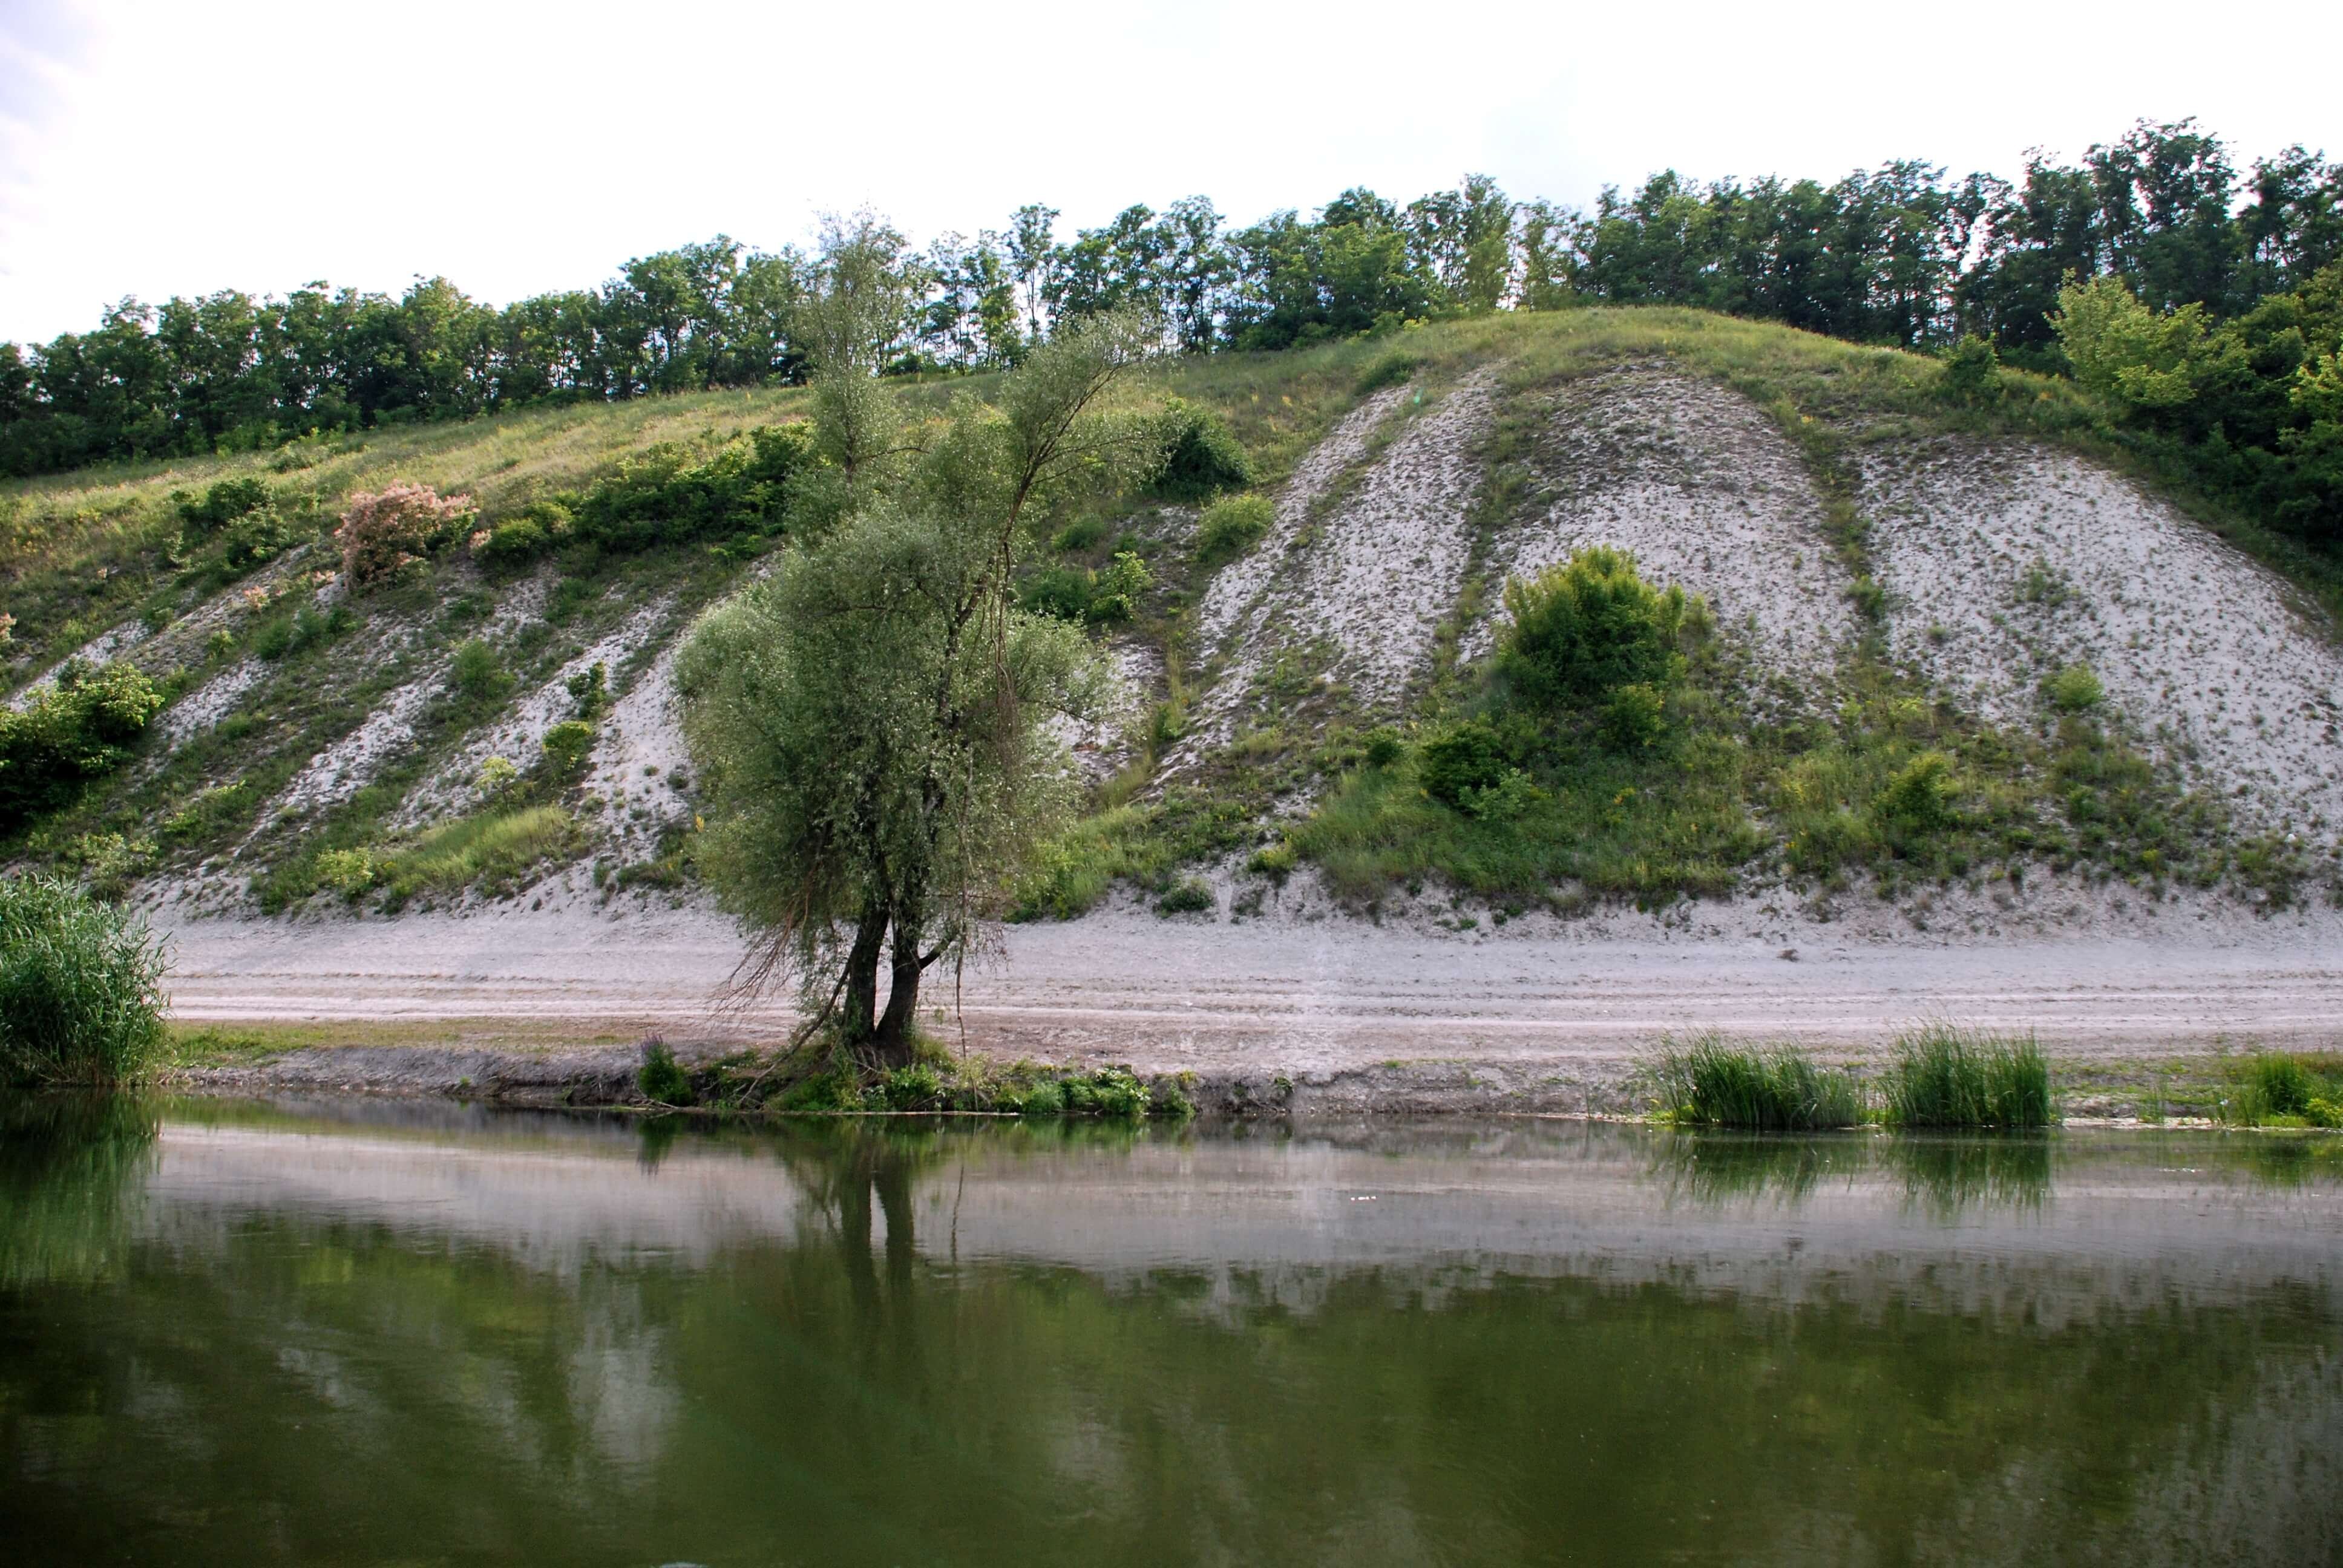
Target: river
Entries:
(384, 1332)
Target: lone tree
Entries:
(869, 723)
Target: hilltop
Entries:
(1958, 675)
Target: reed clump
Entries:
(1946, 1076)
(1711, 1082)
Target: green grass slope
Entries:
(329, 745)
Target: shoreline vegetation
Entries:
(1933, 1077)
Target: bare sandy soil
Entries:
(1539, 1015)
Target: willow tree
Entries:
(870, 723)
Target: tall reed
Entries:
(1945, 1076)
(1709, 1082)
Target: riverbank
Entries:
(1293, 1013)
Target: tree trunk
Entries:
(895, 1026)
(859, 1003)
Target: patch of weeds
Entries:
(1945, 1076)
(1710, 1081)
(1232, 526)
(1189, 896)
(2276, 1089)
(661, 1077)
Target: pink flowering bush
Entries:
(382, 533)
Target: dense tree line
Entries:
(1898, 254)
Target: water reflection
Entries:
(399, 1334)
(1944, 1177)
(71, 1167)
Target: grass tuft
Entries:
(1945, 1076)
(1709, 1082)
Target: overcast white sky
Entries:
(177, 148)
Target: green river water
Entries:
(384, 1334)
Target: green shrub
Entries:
(258, 537)
(1972, 374)
(1709, 1082)
(1200, 457)
(1115, 596)
(477, 675)
(512, 543)
(1634, 717)
(1047, 1097)
(2074, 689)
(590, 692)
(1949, 1076)
(221, 505)
(1580, 630)
(1115, 1093)
(1922, 795)
(1188, 896)
(348, 873)
(79, 730)
(1063, 592)
(1232, 526)
(669, 495)
(567, 745)
(1508, 800)
(1082, 534)
(1460, 761)
(912, 1088)
(661, 1077)
(81, 987)
(1386, 746)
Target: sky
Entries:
(155, 149)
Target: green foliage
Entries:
(1944, 1076)
(1276, 861)
(1460, 762)
(286, 635)
(81, 987)
(1047, 1097)
(2132, 355)
(78, 730)
(1972, 374)
(661, 1080)
(1634, 716)
(492, 851)
(477, 673)
(866, 722)
(915, 1087)
(1389, 370)
(1190, 896)
(221, 505)
(1710, 1081)
(1384, 748)
(669, 495)
(1232, 526)
(1115, 597)
(1582, 631)
(2276, 1089)
(1200, 457)
(1084, 533)
(566, 748)
(541, 527)
(1115, 1093)
(590, 692)
(2074, 689)
(1923, 796)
